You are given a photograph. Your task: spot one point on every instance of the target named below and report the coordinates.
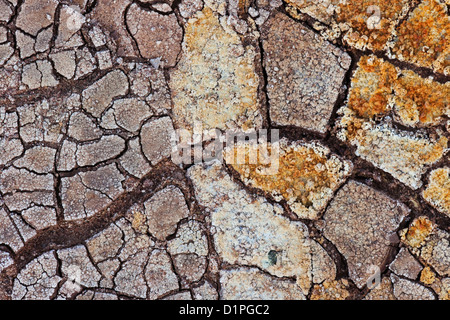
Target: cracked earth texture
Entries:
(93, 206)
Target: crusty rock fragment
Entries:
(3, 34)
(378, 88)
(38, 280)
(304, 73)
(331, 290)
(67, 160)
(9, 235)
(107, 180)
(31, 76)
(321, 10)
(409, 290)
(383, 291)
(70, 21)
(78, 201)
(104, 59)
(205, 292)
(44, 121)
(189, 250)
(97, 36)
(10, 145)
(359, 222)
(39, 159)
(189, 7)
(6, 52)
(5, 11)
(109, 14)
(157, 36)
(130, 278)
(95, 152)
(83, 128)
(405, 155)
(65, 63)
(86, 63)
(130, 113)
(43, 39)
(418, 232)
(406, 265)
(39, 74)
(35, 15)
(370, 23)
(215, 82)
(249, 230)
(155, 138)
(437, 191)
(159, 275)
(13, 179)
(20, 200)
(304, 174)
(77, 265)
(133, 160)
(40, 217)
(9, 148)
(422, 38)
(99, 95)
(164, 210)
(252, 284)
(323, 267)
(430, 243)
(5, 260)
(25, 44)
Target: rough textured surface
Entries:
(361, 223)
(158, 36)
(236, 284)
(306, 176)
(378, 97)
(164, 210)
(304, 73)
(438, 190)
(215, 82)
(337, 188)
(421, 39)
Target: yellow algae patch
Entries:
(423, 38)
(438, 190)
(139, 222)
(365, 24)
(378, 87)
(215, 83)
(321, 10)
(370, 23)
(418, 232)
(306, 178)
(371, 87)
(381, 92)
(419, 101)
(427, 276)
(429, 243)
(331, 290)
(402, 154)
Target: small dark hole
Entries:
(272, 257)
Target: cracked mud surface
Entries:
(93, 205)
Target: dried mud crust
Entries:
(92, 206)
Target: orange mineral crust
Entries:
(306, 176)
(423, 38)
